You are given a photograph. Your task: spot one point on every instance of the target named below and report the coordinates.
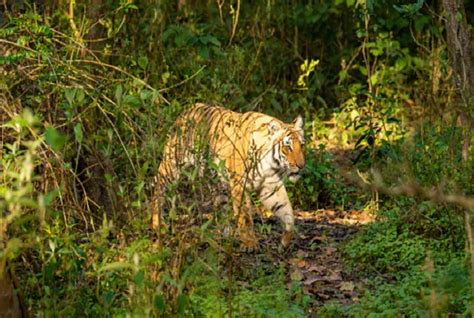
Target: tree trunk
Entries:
(96, 34)
(11, 303)
(460, 53)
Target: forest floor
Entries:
(315, 258)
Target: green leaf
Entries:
(13, 246)
(370, 5)
(203, 52)
(458, 16)
(410, 9)
(50, 196)
(401, 63)
(214, 41)
(206, 225)
(139, 278)
(145, 94)
(131, 100)
(26, 119)
(78, 132)
(167, 34)
(209, 39)
(165, 77)
(182, 303)
(421, 22)
(143, 62)
(54, 138)
(118, 94)
(159, 302)
(374, 79)
(114, 266)
(342, 75)
(70, 94)
(108, 297)
(80, 95)
(376, 51)
(182, 38)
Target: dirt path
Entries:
(315, 258)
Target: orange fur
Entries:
(257, 150)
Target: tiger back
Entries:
(257, 150)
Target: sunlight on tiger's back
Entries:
(258, 151)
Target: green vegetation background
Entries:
(88, 90)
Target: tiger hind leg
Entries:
(242, 207)
(168, 172)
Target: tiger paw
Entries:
(286, 238)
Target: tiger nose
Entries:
(300, 164)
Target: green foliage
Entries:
(436, 159)
(442, 291)
(409, 273)
(319, 183)
(88, 103)
(386, 249)
(264, 296)
(18, 196)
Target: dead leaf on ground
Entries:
(293, 261)
(347, 286)
(297, 262)
(302, 263)
(335, 276)
(313, 278)
(300, 254)
(322, 238)
(316, 268)
(296, 275)
(323, 296)
(330, 250)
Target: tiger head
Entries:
(288, 150)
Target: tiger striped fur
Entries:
(258, 152)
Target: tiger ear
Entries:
(273, 127)
(299, 123)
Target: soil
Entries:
(315, 258)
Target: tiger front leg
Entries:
(275, 199)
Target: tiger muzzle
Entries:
(294, 175)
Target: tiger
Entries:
(258, 151)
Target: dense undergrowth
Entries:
(83, 124)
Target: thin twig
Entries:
(412, 189)
(183, 81)
(235, 21)
(118, 69)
